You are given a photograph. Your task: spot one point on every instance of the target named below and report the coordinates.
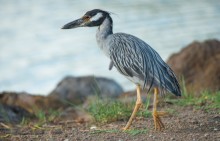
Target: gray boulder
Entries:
(78, 89)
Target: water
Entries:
(35, 53)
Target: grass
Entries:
(47, 116)
(105, 111)
(215, 99)
(136, 131)
(206, 100)
(109, 110)
(41, 117)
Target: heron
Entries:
(134, 59)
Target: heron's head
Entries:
(91, 18)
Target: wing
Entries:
(134, 58)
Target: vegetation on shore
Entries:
(106, 111)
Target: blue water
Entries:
(35, 53)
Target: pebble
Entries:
(93, 127)
(194, 122)
(201, 124)
(153, 137)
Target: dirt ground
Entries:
(184, 124)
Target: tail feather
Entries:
(168, 81)
(173, 84)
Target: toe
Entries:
(124, 128)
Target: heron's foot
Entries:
(137, 106)
(158, 124)
(125, 128)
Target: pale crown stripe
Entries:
(96, 17)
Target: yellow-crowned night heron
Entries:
(133, 58)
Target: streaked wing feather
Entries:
(133, 57)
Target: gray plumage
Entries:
(141, 64)
(131, 56)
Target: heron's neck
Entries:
(104, 30)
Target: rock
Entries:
(78, 114)
(29, 102)
(12, 114)
(77, 89)
(199, 64)
(14, 106)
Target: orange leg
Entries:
(156, 115)
(136, 108)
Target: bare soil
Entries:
(184, 124)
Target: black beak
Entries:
(74, 24)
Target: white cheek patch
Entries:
(96, 17)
